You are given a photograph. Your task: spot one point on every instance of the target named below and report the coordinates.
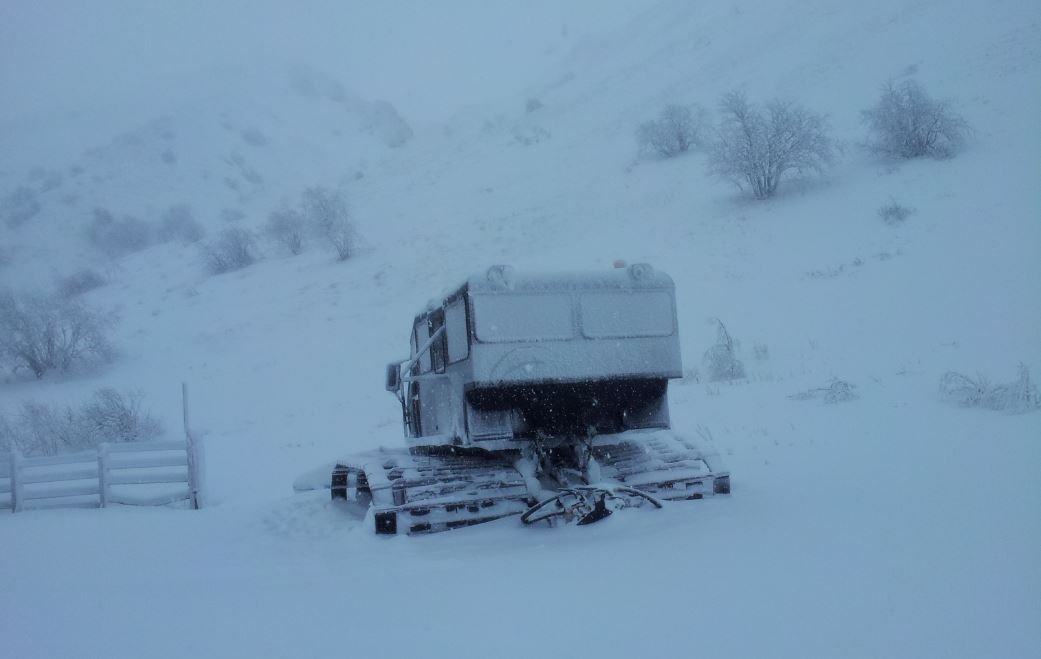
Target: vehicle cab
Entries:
(506, 358)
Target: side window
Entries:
(412, 351)
(437, 350)
(456, 331)
(420, 335)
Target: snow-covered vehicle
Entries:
(539, 395)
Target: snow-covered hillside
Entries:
(894, 524)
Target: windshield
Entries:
(621, 314)
(522, 317)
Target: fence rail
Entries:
(145, 474)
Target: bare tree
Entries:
(233, 249)
(757, 149)
(285, 227)
(46, 333)
(326, 210)
(908, 123)
(676, 130)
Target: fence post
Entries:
(103, 473)
(193, 462)
(16, 480)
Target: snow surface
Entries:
(891, 525)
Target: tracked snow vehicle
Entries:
(542, 396)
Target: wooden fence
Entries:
(137, 474)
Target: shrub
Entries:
(383, 121)
(42, 430)
(530, 134)
(233, 249)
(7, 436)
(908, 123)
(720, 360)
(894, 213)
(20, 206)
(676, 131)
(45, 333)
(116, 237)
(231, 215)
(326, 212)
(254, 136)
(79, 282)
(286, 228)
(109, 416)
(1018, 396)
(178, 223)
(757, 149)
(837, 391)
(51, 180)
(248, 173)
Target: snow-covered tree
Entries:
(908, 123)
(326, 211)
(233, 249)
(286, 228)
(109, 416)
(676, 130)
(758, 148)
(42, 333)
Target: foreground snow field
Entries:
(893, 524)
(875, 530)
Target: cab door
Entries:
(413, 412)
(433, 395)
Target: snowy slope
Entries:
(891, 525)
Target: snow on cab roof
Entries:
(503, 278)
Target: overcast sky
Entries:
(60, 57)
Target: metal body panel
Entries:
(582, 360)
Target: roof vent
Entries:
(500, 275)
(641, 271)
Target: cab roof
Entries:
(503, 279)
